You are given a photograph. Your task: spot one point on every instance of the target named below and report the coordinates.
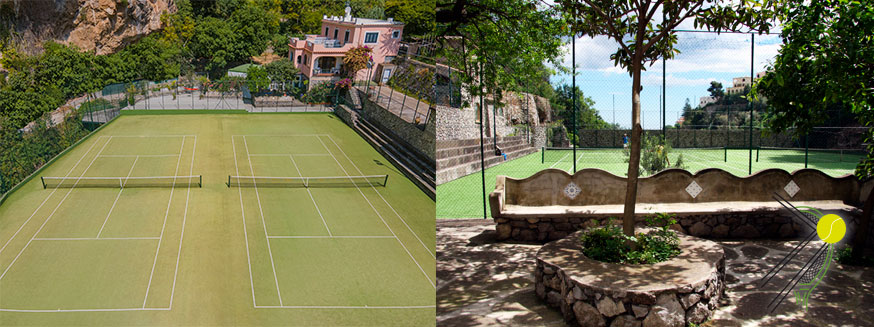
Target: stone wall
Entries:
(422, 140)
(538, 136)
(736, 208)
(592, 293)
(460, 123)
(756, 224)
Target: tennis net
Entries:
(121, 182)
(307, 182)
(814, 155)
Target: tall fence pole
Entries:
(749, 99)
(482, 147)
(664, 105)
(574, 98)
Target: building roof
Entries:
(361, 21)
(244, 68)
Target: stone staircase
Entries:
(416, 166)
(458, 158)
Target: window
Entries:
(305, 59)
(346, 38)
(395, 34)
(336, 30)
(389, 58)
(370, 37)
(326, 31)
(298, 58)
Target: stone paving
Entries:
(485, 282)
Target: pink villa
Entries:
(320, 57)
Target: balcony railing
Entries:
(326, 71)
(327, 43)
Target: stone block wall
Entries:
(422, 140)
(585, 303)
(757, 224)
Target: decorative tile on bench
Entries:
(791, 188)
(572, 190)
(693, 189)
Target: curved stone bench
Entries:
(710, 203)
(685, 289)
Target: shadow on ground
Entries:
(485, 282)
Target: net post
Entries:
(759, 148)
(543, 154)
(384, 183)
(229, 181)
(726, 153)
(41, 179)
(199, 177)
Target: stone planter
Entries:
(677, 292)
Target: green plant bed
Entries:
(610, 244)
(844, 255)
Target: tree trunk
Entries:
(862, 229)
(634, 160)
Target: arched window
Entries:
(298, 58)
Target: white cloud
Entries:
(700, 52)
(672, 80)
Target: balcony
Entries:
(325, 42)
(326, 71)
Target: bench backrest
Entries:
(598, 187)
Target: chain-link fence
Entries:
(695, 112)
(408, 93)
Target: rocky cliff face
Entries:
(526, 108)
(99, 26)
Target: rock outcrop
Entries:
(99, 26)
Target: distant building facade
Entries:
(320, 57)
(704, 101)
(741, 83)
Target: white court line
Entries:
(286, 154)
(147, 136)
(282, 135)
(311, 196)
(167, 213)
(48, 196)
(117, 196)
(263, 223)
(137, 155)
(559, 160)
(85, 310)
(321, 236)
(184, 217)
(380, 217)
(384, 200)
(731, 168)
(245, 233)
(93, 238)
(345, 307)
(53, 211)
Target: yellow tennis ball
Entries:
(831, 228)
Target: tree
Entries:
(356, 59)
(418, 15)
(256, 79)
(642, 40)
(282, 71)
(499, 45)
(827, 61)
(587, 116)
(715, 89)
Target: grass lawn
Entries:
(463, 197)
(157, 252)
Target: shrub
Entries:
(654, 155)
(610, 244)
(318, 93)
(844, 255)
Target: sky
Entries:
(703, 57)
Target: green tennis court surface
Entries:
(153, 234)
(462, 198)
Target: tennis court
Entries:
(209, 219)
(462, 198)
